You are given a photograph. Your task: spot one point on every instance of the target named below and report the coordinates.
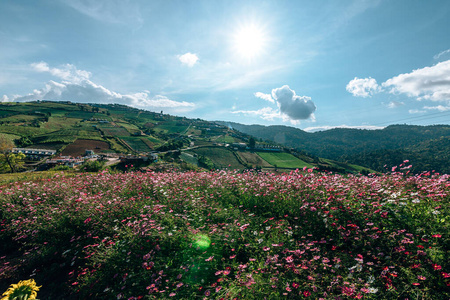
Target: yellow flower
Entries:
(25, 289)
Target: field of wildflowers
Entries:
(228, 235)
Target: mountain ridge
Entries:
(363, 146)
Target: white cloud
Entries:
(293, 106)
(323, 128)
(439, 108)
(437, 56)
(263, 96)
(266, 113)
(363, 87)
(4, 98)
(429, 83)
(66, 72)
(77, 87)
(188, 59)
(115, 12)
(416, 111)
(394, 104)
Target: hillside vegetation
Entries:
(72, 128)
(426, 147)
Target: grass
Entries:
(224, 139)
(283, 160)
(27, 131)
(30, 176)
(57, 123)
(21, 118)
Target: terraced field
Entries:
(283, 160)
(80, 146)
(253, 159)
(221, 157)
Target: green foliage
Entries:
(61, 168)
(24, 142)
(251, 143)
(9, 161)
(205, 162)
(92, 166)
(171, 145)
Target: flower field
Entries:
(230, 235)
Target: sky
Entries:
(313, 65)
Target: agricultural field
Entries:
(113, 131)
(221, 158)
(224, 139)
(21, 118)
(151, 141)
(171, 127)
(228, 234)
(137, 144)
(189, 158)
(27, 131)
(79, 147)
(58, 123)
(283, 160)
(253, 159)
(68, 135)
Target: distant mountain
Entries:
(427, 147)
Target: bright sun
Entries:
(249, 41)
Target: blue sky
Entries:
(309, 64)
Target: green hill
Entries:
(72, 128)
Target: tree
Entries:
(92, 166)
(251, 143)
(9, 161)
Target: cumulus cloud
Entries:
(263, 96)
(429, 83)
(293, 106)
(363, 87)
(290, 107)
(78, 88)
(188, 59)
(66, 72)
